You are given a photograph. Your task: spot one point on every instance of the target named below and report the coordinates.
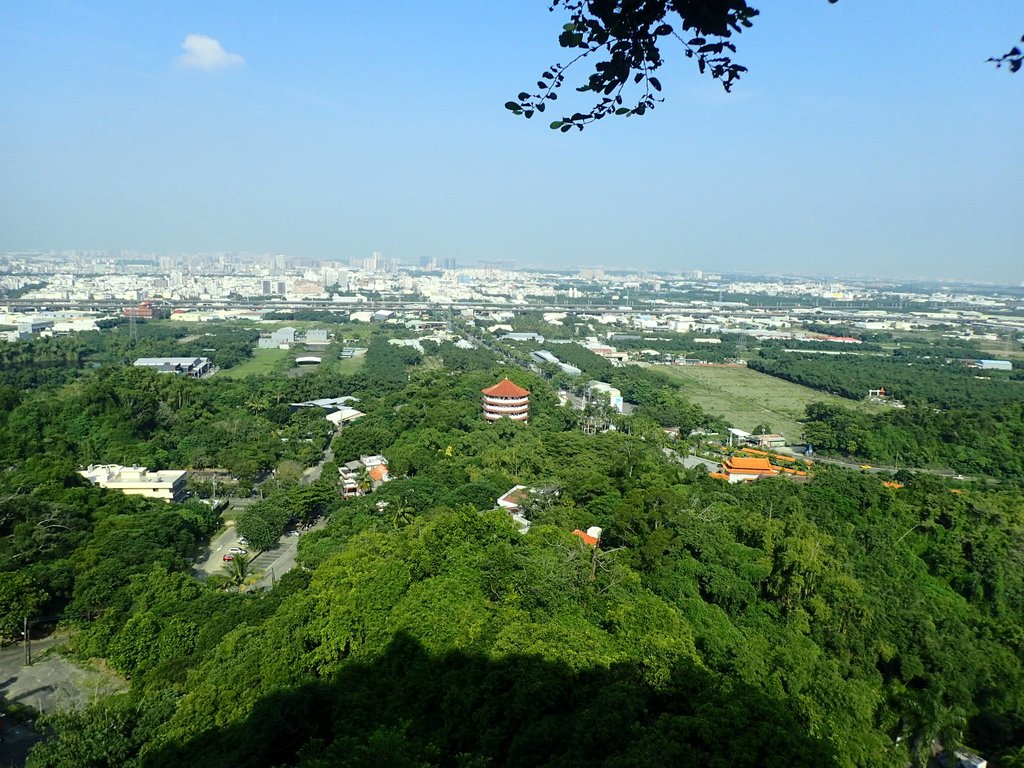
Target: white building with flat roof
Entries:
(994, 365)
(180, 366)
(165, 484)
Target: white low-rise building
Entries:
(344, 415)
(613, 394)
(180, 366)
(165, 484)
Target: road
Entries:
(211, 561)
(276, 562)
(689, 462)
(312, 474)
(272, 563)
(948, 474)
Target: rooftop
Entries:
(744, 464)
(506, 388)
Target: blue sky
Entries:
(869, 137)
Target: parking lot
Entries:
(272, 564)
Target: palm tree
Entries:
(364, 482)
(237, 572)
(402, 514)
(256, 405)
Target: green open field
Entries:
(746, 398)
(262, 361)
(351, 365)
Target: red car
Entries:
(228, 558)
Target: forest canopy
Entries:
(827, 621)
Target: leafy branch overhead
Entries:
(1013, 58)
(626, 38)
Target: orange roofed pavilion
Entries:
(739, 468)
(506, 399)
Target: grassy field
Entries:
(997, 350)
(746, 398)
(262, 361)
(350, 365)
(265, 361)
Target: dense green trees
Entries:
(828, 622)
(757, 625)
(953, 419)
(936, 381)
(978, 443)
(264, 522)
(134, 416)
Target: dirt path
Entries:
(51, 683)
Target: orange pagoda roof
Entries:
(506, 388)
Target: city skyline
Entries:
(335, 132)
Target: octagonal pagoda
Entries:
(506, 399)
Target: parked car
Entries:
(238, 551)
(228, 558)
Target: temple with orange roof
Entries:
(506, 399)
(737, 469)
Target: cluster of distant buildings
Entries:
(29, 324)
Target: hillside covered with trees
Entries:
(833, 622)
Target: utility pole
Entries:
(133, 324)
(28, 644)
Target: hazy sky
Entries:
(869, 137)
